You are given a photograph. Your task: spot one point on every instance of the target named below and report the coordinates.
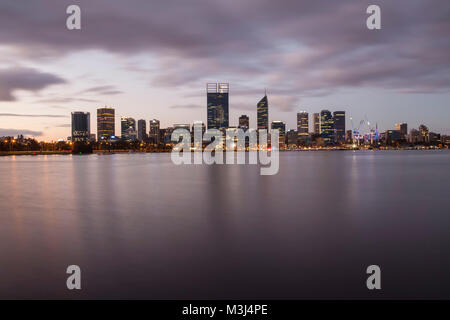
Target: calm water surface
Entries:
(141, 227)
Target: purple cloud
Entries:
(296, 48)
(24, 79)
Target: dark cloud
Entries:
(16, 132)
(300, 48)
(32, 115)
(24, 79)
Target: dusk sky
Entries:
(152, 59)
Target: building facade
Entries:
(281, 126)
(106, 125)
(142, 130)
(262, 109)
(339, 126)
(128, 128)
(403, 128)
(303, 124)
(81, 126)
(244, 122)
(154, 134)
(316, 123)
(326, 127)
(217, 105)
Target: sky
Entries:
(152, 60)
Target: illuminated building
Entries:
(217, 105)
(403, 128)
(128, 128)
(316, 123)
(414, 136)
(349, 136)
(262, 110)
(244, 122)
(392, 136)
(105, 123)
(339, 126)
(326, 127)
(154, 133)
(281, 126)
(81, 126)
(292, 137)
(423, 129)
(142, 130)
(303, 125)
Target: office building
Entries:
(339, 126)
(326, 127)
(142, 130)
(217, 105)
(302, 124)
(244, 122)
(403, 128)
(81, 126)
(262, 110)
(316, 123)
(106, 125)
(281, 126)
(128, 128)
(154, 135)
(291, 138)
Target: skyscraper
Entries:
(316, 123)
(244, 122)
(142, 130)
(128, 128)
(424, 131)
(262, 109)
(217, 105)
(403, 128)
(326, 126)
(154, 133)
(105, 123)
(81, 126)
(339, 126)
(281, 126)
(303, 124)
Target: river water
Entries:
(140, 227)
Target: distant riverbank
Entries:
(67, 152)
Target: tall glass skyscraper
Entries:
(262, 109)
(142, 130)
(217, 105)
(81, 126)
(316, 123)
(326, 126)
(154, 133)
(128, 128)
(339, 126)
(303, 124)
(105, 123)
(281, 126)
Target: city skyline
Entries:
(309, 56)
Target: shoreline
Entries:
(40, 153)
